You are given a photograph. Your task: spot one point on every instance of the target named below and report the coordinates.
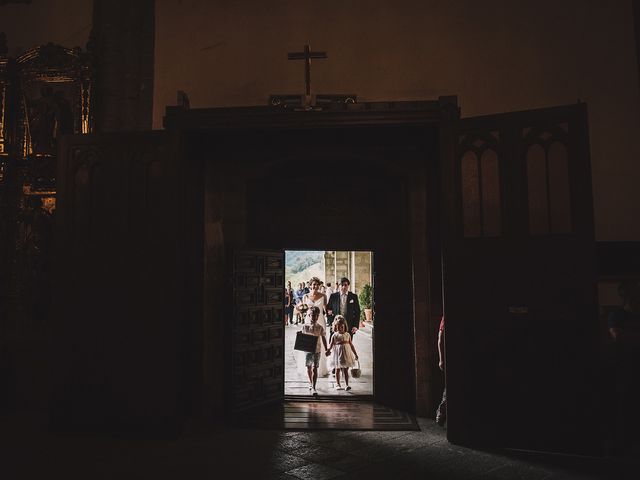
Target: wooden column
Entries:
(424, 339)
(636, 23)
(224, 230)
(123, 42)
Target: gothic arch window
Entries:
(548, 189)
(480, 186)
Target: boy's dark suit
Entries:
(353, 310)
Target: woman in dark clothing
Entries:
(288, 304)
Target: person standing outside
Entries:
(441, 412)
(344, 353)
(299, 293)
(624, 331)
(345, 303)
(312, 360)
(329, 290)
(288, 305)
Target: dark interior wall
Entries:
(224, 226)
(496, 56)
(123, 43)
(636, 22)
(65, 22)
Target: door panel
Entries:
(114, 349)
(257, 347)
(520, 305)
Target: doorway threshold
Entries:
(328, 398)
(328, 414)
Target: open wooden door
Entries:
(519, 281)
(116, 343)
(257, 331)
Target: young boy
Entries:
(313, 358)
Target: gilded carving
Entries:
(44, 93)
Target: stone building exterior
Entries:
(356, 266)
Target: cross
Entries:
(307, 55)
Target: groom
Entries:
(345, 303)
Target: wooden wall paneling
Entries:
(118, 297)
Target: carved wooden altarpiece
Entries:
(44, 93)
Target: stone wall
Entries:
(343, 265)
(356, 266)
(330, 268)
(362, 270)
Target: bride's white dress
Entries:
(323, 371)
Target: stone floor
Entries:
(28, 453)
(297, 381)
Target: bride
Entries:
(314, 297)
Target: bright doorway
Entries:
(330, 267)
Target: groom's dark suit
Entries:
(352, 314)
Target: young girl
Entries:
(344, 353)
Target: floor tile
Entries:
(315, 472)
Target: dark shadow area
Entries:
(626, 466)
(31, 452)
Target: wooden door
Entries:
(257, 330)
(115, 349)
(519, 284)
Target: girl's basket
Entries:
(355, 371)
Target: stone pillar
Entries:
(342, 265)
(123, 42)
(352, 271)
(362, 273)
(329, 267)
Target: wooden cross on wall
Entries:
(307, 55)
(319, 101)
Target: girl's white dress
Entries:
(321, 303)
(342, 356)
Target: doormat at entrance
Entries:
(327, 415)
